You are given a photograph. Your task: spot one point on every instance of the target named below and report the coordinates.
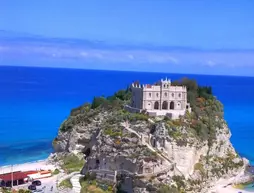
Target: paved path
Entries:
(127, 127)
(62, 177)
(76, 187)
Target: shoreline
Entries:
(220, 187)
(28, 166)
(231, 189)
(223, 186)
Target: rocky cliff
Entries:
(160, 155)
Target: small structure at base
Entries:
(19, 177)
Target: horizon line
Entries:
(132, 71)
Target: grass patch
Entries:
(66, 183)
(90, 186)
(56, 171)
(239, 186)
(113, 133)
(200, 168)
(72, 163)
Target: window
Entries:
(150, 94)
(164, 85)
(157, 94)
(172, 95)
(179, 95)
(168, 86)
(165, 94)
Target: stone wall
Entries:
(113, 163)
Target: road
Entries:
(47, 183)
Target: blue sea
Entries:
(34, 102)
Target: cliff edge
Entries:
(139, 153)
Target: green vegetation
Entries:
(228, 164)
(89, 185)
(168, 189)
(148, 153)
(86, 113)
(24, 191)
(8, 190)
(81, 109)
(206, 115)
(194, 90)
(66, 183)
(55, 141)
(200, 168)
(86, 117)
(56, 171)
(138, 117)
(112, 133)
(116, 101)
(222, 165)
(179, 180)
(72, 163)
(242, 185)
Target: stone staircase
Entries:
(76, 187)
(149, 146)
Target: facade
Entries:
(160, 99)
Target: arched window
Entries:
(165, 105)
(172, 105)
(150, 94)
(165, 94)
(172, 95)
(157, 95)
(156, 105)
(179, 95)
(167, 85)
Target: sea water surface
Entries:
(34, 102)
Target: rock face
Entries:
(186, 154)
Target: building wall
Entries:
(137, 97)
(162, 96)
(112, 164)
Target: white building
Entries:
(159, 99)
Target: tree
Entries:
(167, 189)
(98, 101)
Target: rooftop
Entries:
(16, 175)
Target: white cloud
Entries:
(174, 60)
(211, 63)
(144, 58)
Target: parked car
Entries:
(36, 182)
(32, 187)
(40, 190)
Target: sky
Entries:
(186, 36)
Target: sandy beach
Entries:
(230, 189)
(48, 183)
(38, 165)
(223, 187)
